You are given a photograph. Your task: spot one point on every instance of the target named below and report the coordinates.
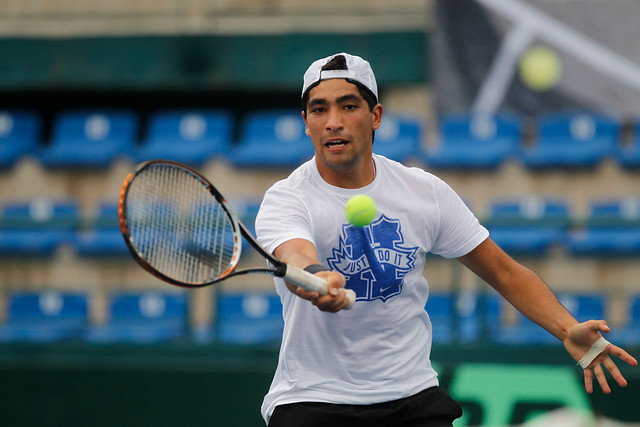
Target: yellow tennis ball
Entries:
(360, 210)
(540, 68)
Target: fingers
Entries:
(588, 380)
(336, 298)
(603, 326)
(329, 302)
(615, 372)
(332, 303)
(581, 336)
(308, 295)
(616, 351)
(597, 369)
(602, 379)
(600, 376)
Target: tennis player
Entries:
(370, 365)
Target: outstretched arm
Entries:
(528, 293)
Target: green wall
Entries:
(200, 62)
(190, 384)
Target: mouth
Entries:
(335, 143)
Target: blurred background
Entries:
(528, 109)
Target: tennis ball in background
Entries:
(540, 68)
(360, 210)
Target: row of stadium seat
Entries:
(561, 140)
(534, 225)
(90, 139)
(276, 138)
(139, 317)
(530, 225)
(256, 317)
(133, 317)
(38, 227)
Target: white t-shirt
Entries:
(379, 350)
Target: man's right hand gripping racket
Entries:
(179, 227)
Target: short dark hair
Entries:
(339, 62)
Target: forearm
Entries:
(524, 289)
(530, 295)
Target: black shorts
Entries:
(432, 407)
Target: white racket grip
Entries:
(313, 283)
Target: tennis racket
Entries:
(179, 227)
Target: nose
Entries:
(334, 120)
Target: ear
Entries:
(306, 126)
(377, 116)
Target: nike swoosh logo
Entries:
(387, 288)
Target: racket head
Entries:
(177, 225)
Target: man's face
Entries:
(340, 124)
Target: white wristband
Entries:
(596, 348)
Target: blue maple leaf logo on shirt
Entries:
(373, 259)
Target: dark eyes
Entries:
(348, 107)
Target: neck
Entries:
(358, 176)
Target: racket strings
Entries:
(179, 227)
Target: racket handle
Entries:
(313, 283)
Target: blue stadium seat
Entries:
(187, 136)
(87, 139)
(480, 315)
(247, 210)
(272, 139)
(573, 140)
(441, 309)
(582, 306)
(612, 229)
(476, 141)
(398, 137)
(101, 236)
(37, 227)
(629, 157)
(454, 317)
(44, 317)
(19, 135)
(249, 318)
(146, 317)
(530, 225)
(628, 334)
